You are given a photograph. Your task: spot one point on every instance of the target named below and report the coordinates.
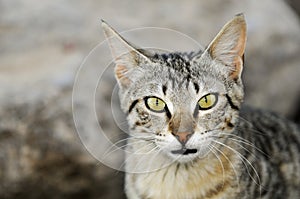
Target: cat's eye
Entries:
(155, 104)
(208, 101)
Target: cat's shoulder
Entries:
(268, 124)
(260, 115)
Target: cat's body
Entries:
(190, 138)
(279, 172)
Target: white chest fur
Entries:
(205, 178)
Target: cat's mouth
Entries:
(184, 151)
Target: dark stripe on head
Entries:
(164, 89)
(196, 87)
(196, 111)
(132, 105)
(233, 106)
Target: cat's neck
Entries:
(216, 173)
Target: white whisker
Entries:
(220, 161)
(121, 147)
(120, 141)
(249, 144)
(142, 160)
(244, 141)
(231, 164)
(243, 159)
(134, 153)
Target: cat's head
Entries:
(183, 101)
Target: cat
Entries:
(190, 135)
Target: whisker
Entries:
(237, 137)
(254, 131)
(244, 141)
(251, 145)
(142, 160)
(121, 147)
(146, 153)
(115, 145)
(152, 159)
(231, 164)
(141, 149)
(234, 135)
(244, 148)
(123, 140)
(132, 155)
(245, 120)
(243, 159)
(251, 125)
(158, 152)
(211, 148)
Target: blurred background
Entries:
(43, 43)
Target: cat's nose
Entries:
(183, 137)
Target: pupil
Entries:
(205, 98)
(156, 102)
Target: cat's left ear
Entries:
(228, 46)
(126, 56)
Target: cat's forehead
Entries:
(181, 66)
(179, 61)
(175, 73)
(175, 60)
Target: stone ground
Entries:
(43, 43)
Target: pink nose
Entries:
(183, 137)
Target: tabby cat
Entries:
(190, 137)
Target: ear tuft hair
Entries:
(228, 46)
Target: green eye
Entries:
(155, 104)
(208, 101)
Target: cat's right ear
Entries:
(125, 55)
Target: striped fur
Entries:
(184, 152)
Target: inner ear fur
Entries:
(228, 46)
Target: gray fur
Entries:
(263, 148)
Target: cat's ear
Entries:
(125, 55)
(229, 45)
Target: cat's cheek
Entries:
(200, 140)
(140, 119)
(230, 121)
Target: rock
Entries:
(42, 45)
